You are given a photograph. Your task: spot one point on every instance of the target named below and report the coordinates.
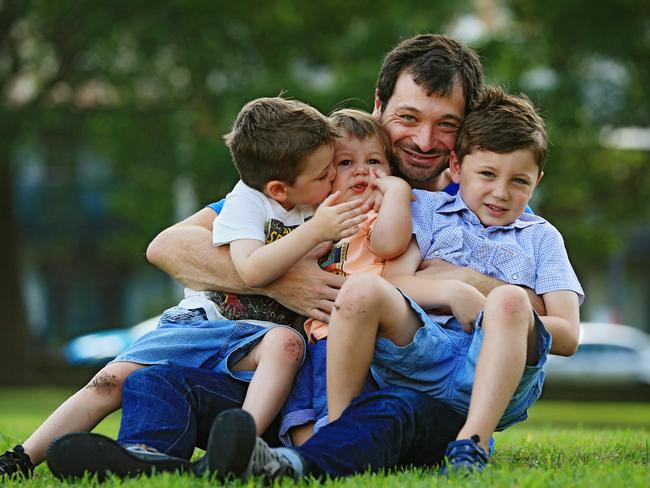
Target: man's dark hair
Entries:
(436, 62)
(503, 123)
(356, 123)
(271, 137)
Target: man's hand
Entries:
(306, 288)
(439, 269)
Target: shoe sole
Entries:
(77, 455)
(231, 443)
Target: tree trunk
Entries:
(16, 365)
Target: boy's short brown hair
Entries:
(500, 122)
(360, 124)
(271, 137)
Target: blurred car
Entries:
(608, 355)
(98, 348)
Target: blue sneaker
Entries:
(464, 455)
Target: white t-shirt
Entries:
(247, 214)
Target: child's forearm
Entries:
(426, 292)
(391, 233)
(266, 263)
(565, 335)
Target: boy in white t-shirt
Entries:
(283, 151)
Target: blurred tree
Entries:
(144, 94)
(136, 98)
(587, 66)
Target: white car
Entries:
(98, 348)
(608, 355)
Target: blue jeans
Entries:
(171, 409)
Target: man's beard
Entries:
(415, 174)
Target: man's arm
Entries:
(439, 269)
(185, 252)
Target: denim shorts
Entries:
(441, 360)
(186, 338)
(307, 402)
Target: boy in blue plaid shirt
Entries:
(485, 357)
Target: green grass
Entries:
(562, 444)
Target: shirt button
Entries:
(437, 253)
(514, 276)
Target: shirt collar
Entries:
(458, 205)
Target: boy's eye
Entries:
(487, 174)
(520, 181)
(374, 161)
(345, 162)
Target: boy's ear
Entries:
(376, 112)
(277, 190)
(454, 166)
(539, 178)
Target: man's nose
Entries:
(425, 138)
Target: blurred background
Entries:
(112, 115)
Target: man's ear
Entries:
(454, 166)
(277, 190)
(376, 112)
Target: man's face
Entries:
(422, 129)
(495, 186)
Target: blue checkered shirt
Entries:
(528, 252)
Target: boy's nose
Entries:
(361, 170)
(500, 191)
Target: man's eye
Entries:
(408, 118)
(345, 162)
(450, 126)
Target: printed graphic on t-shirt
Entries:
(334, 259)
(256, 307)
(274, 230)
(251, 307)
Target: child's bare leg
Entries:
(275, 360)
(507, 326)
(83, 410)
(367, 306)
(301, 434)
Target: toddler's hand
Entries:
(337, 221)
(385, 183)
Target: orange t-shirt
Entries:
(347, 256)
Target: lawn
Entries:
(562, 444)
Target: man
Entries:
(425, 86)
